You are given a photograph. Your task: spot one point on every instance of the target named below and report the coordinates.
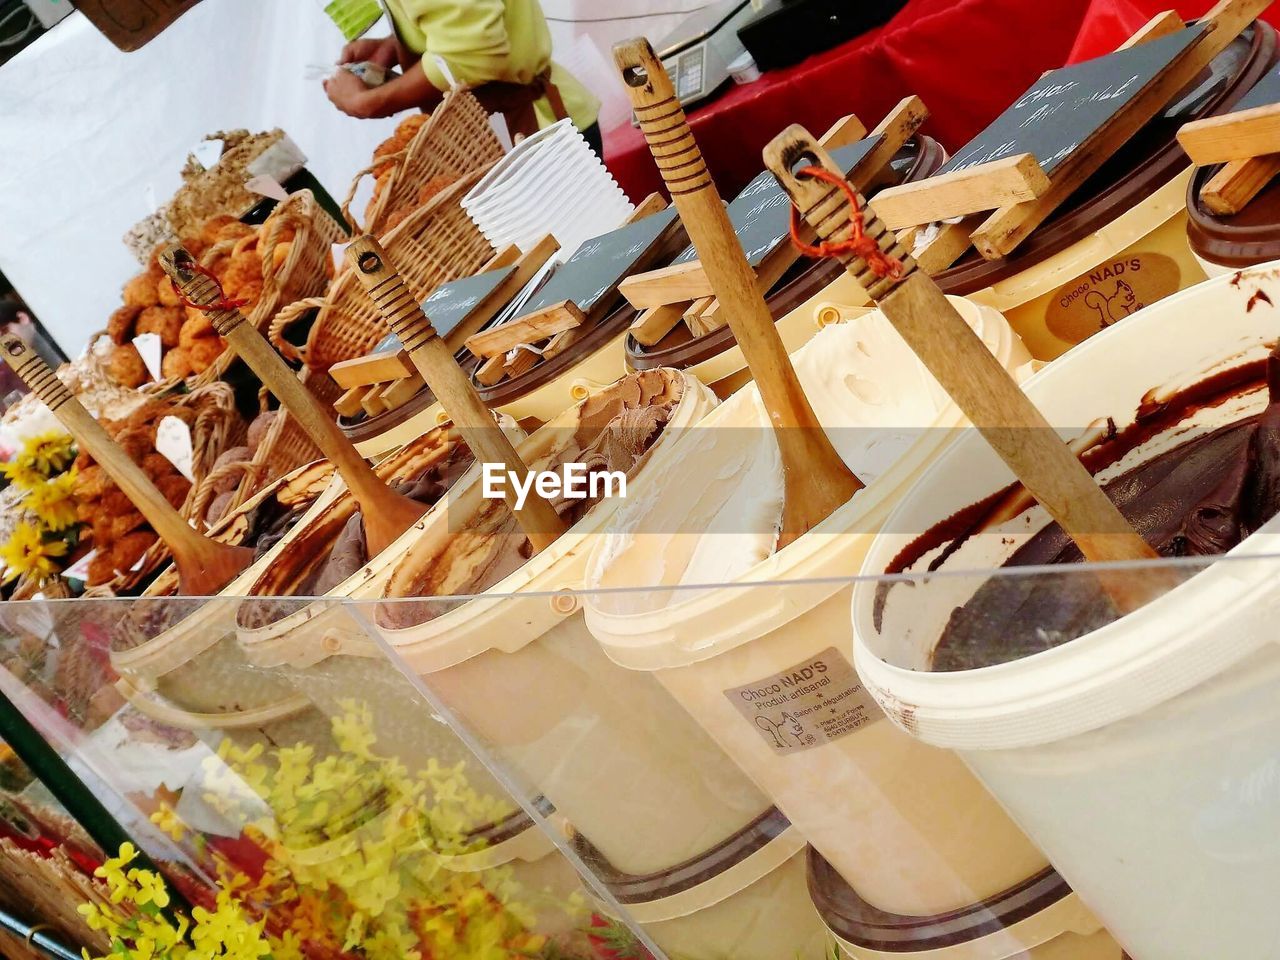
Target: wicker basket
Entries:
(456, 140)
(218, 427)
(306, 271)
(436, 244)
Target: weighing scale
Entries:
(698, 53)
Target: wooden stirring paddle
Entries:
(816, 481)
(434, 360)
(204, 566)
(966, 369)
(386, 514)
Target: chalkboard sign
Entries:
(130, 24)
(761, 213)
(1065, 107)
(599, 265)
(1264, 93)
(450, 304)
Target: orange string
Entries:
(859, 244)
(222, 303)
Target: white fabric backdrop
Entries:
(86, 130)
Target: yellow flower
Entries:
(22, 474)
(54, 502)
(167, 819)
(27, 552)
(150, 888)
(48, 453)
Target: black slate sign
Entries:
(451, 303)
(1067, 106)
(601, 263)
(1264, 93)
(761, 213)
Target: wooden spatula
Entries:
(204, 566)
(816, 480)
(972, 377)
(386, 514)
(434, 360)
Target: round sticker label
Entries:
(1109, 293)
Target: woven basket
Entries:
(436, 244)
(218, 427)
(456, 140)
(306, 271)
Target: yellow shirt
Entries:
(483, 40)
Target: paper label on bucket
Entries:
(809, 705)
(1110, 292)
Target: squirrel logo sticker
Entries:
(1115, 307)
(1108, 294)
(787, 726)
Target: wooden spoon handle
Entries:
(279, 379)
(825, 207)
(817, 480)
(488, 444)
(976, 382)
(177, 534)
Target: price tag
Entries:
(150, 349)
(173, 442)
(208, 152)
(80, 569)
(267, 187)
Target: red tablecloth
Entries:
(1108, 23)
(967, 59)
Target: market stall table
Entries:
(928, 49)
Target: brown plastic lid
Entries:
(1140, 168)
(648, 888)
(918, 159)
(855, 921)
(1250, 236)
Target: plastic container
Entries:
(188, 666)
(1226, 244)
(856, 787)
(715, 358)
(1042, 910)
(609, 748)
(726, 904)
(305, 634)
(1140, 756)
(1119, 243)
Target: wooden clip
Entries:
(372, 369)
(988, 186)
(656, 322)
(1232, 188)
(653, 203)
(1232, 136)
(678, 283)
(533, 328)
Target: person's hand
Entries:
(348, 93)
(383, 52)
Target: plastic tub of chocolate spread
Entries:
(512, 659)
(1225, 244)
(1139, 753)
(761, 663)
(996, 927)
(177, 647)
(715, 358)
(1119, 243)
(725, 902)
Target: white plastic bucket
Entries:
(740, 911)
(1057, 302)
(1142, 756)
(908, 827)
(609, 748)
